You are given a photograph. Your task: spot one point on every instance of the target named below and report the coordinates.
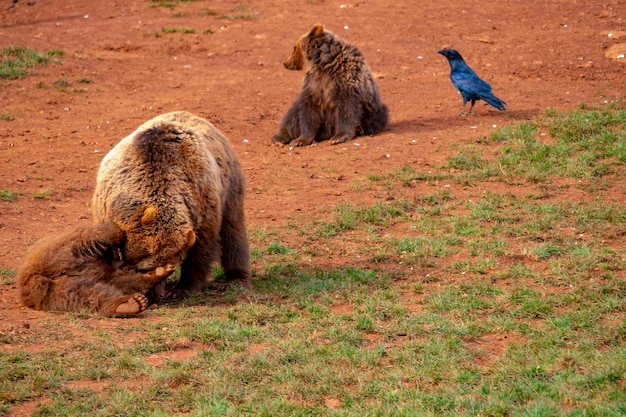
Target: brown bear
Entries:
(80, 269)
(339, 98)
(176, 189)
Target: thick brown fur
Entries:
(80, 269)
(176, 189)
(339, 99)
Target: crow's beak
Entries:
(443, 52)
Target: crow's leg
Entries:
(462, 111)
(473, 101)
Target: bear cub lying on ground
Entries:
(80, 269)
(339, 98)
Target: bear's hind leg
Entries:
(346, 122)
(65, 293)
(60, 294)
(235, 255)
(129, 305)
(113, 302)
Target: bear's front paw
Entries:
(175, 294)
(278, 138)
(244, 284)
(340, 138)
(301, 142)
(159, 274)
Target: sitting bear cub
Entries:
(339, 98)
(80, 269)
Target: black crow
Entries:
(470, 85)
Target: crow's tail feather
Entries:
(495, 101)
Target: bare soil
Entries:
(121, 68)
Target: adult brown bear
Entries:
(176, 189)
(339, 98)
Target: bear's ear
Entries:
(191, 238)
(317, 30)
(149, 215)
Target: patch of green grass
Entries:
(175, 30)
(209, 12)
(408, 176)
(42, 194)
(348, 217)
(8, 195)
(7, 276)
(61, 84)
(6, 116)
(467, 159)
(16, 60)
(275, 248)
(581, 144)
(239, 13)
(170, 4)
(56, 52)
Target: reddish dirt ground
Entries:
(536, 55)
